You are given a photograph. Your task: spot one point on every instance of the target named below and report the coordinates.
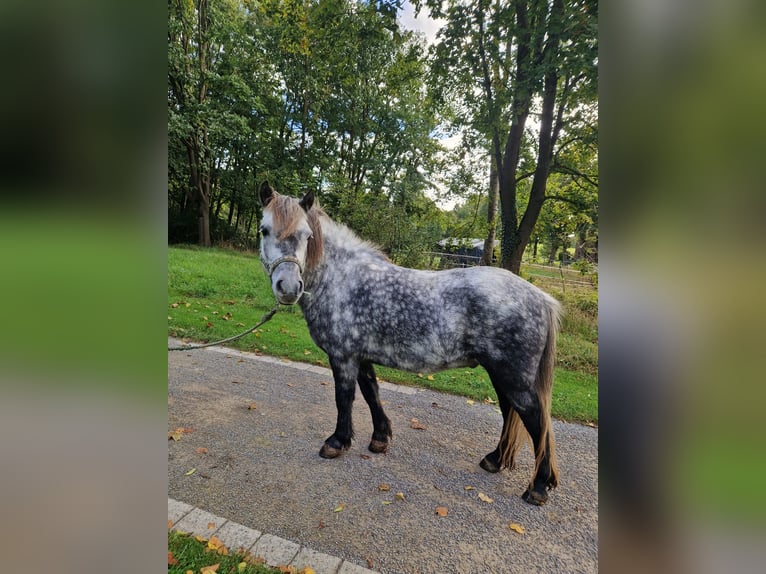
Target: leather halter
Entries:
(271, 267)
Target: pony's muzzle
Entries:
(287, 285)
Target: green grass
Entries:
(191, 554)
(216, 293)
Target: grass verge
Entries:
(189, 553)
(216, 293)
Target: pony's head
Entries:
(290, 241)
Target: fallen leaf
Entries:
(241, 567)
(339, 508)
(415, 424)
(399, 496)
(517, 528)
(240, 325)
(290, 384)
(170, 524)
(204, 318)
(307, 570)
(365, 456)
(485, 498)
(176, 434)
(209, 569)
(190, 472)
(420, 375)
(470, 402)
(489, 401)
(369, 562)
(201, 450)
(199, 538)
(172, 559)
(252, 407)
(214, 543)
(210, 526)
(306, 352)
(229, 302)
(386, 502)
(287, 569)
(469, 487)
(430, 377)
(441, 510)
(384, 487)
(187, 305)
(208, 324)
(325, 383)
(174, 305)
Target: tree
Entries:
(496, 64)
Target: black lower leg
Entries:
(493, 461)
(380, 423)
(345, 387)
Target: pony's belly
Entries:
(407, 361)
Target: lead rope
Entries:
(270, 268)
(263, 320)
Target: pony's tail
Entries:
(515, 434)
(544, 388)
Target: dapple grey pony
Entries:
(362, 310)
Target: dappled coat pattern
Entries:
(361, 309)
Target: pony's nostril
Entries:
(279, 285)
(300, 285)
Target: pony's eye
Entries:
(264, 231)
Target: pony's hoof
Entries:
(330, 452)
(378, 446)
(489, 464)
(535, 497)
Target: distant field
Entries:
(216, 293)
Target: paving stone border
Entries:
(274, 550)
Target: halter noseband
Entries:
(270, 268)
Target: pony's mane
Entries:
(287, 213)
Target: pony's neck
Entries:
(340, 246)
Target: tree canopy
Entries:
(335, 96)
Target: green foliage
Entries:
(326, 95)
(216, 293)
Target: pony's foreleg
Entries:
(345, 373)
(380, 423)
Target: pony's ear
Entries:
(307, 201)
(266, 193)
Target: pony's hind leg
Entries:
(380, 423)
(345, 373)
(493, 462)
(538, 425)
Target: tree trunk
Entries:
(494, 194)
(554, 248)
(514, 246)
(204, 222)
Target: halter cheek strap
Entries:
(270, 268)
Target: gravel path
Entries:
(262, 469)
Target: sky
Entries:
(421, 23)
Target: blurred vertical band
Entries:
(82, 245)
(682, 275)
